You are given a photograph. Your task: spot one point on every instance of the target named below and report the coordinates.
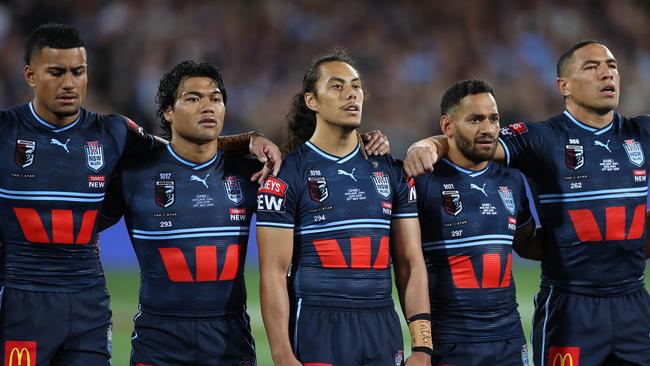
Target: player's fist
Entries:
(266, 152)
(375, 142)
(420, 158)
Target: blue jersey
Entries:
(189, 227)
(52, 184)
(592, 193)
(468, 220)
(340, 209)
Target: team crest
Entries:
(233, 190)
(574, 157)
(318, 189)
(452, 203)
(382, 184)
(634, 152)
(165, 193)
(25, 151)
(506, 198)
(94, 155)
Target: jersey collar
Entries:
(471, 173)
(595, 131)
(194, 166)
(50, 126)
(336, 159)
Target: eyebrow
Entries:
(199, 94)
(609, 60)
(335, 79)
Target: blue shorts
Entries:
(347, 335)
(507, 352)
(55, 328)
(173, 341)
(570, 328)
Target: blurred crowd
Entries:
(409, 52)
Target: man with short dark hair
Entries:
(57, 160)
(473, 212)
(589, 165)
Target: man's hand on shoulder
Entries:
(420, 158)
(375, 143)
(266, 152)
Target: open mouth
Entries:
(68, 98)
(608, 90)
(208, 122)
(352, 108)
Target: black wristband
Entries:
(426, 350)
(421, 316)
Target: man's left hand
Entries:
(266, 152)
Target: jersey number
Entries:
(331, 255)
(62, 226)
(206, 264)
(587, 228)
(462, 271)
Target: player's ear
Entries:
(445, 125)
(28, 72)
(311, 102)
(169, 114)
(563, 86)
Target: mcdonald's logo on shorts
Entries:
(20, 353)
(563, 356)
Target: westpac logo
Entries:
(564, 356)
(20, 353)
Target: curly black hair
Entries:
(301, 121)
(168, 87)
(460, 90)
(59, 36)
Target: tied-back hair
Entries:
(301, 121)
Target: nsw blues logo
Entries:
(25, 152)
(634, 152)
(506, 198)
(318, 189)
(233, 188)
(451, 202)
(574, 157)
(382, 184)
(165, 193)
(94, 155)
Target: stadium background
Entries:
(408, 52)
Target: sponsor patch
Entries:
(506, 197)
(94, 155)
(514, 129)
(96, 181)
(386, 207)
(574, 156)
(413, 196)
(563, 356)
(271, 195)
(25, 153)
(165, 193)
(134, 126)
(234, 192)
(451, 202)
(639, 175)
(399, 358)
(512, 223)
(634, 152)
(382, 184)
(318, 189)
(238, 213)
(20, 353)
(524, 355)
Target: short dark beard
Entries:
(467, 148)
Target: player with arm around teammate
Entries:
(472, 212)
(589, 164)
(58, 158)
(336, 217)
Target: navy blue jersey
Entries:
(189, 227)
(52, 183)
(340, 209)
(468, 220)
(592, 191)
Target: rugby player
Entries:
(334, 218)
(590, 168)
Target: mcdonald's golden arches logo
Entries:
(20, 353)
(564, 356)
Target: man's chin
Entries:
(67, 112)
